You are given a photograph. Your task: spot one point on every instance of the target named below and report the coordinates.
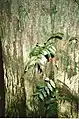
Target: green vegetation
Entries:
(40, 58)
(46, 92)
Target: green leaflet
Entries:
(50, 87)
(44, 93)
(47, 90)
(46, 51)
(52, 83)
(36, 51)
(41, 96)
(30, 64)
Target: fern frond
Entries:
(37, 50)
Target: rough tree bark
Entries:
(24, 23)
(2, 97)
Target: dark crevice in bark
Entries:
(2, 94)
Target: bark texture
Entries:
(24, 23)
(2, 86)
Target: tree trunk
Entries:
(2, 100)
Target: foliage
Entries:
(46, 94)
(47, 46)
(41, 50)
